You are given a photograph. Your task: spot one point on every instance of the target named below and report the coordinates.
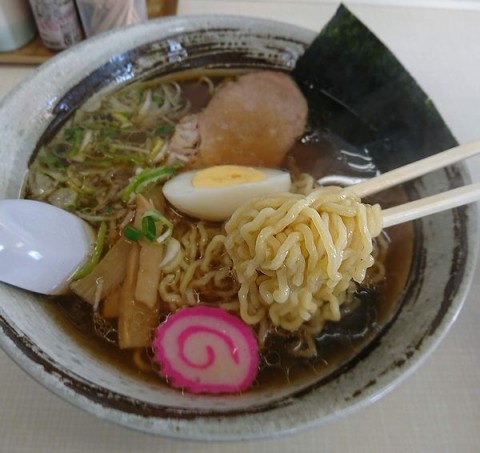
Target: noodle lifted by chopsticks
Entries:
(296, 256)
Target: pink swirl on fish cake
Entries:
(206, 350)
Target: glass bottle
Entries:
(57, 22)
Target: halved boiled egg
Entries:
(214, 193)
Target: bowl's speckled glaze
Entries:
(437, 287)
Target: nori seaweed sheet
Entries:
(358, 89)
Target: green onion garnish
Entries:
(132, 233)
(156, 148)
(74, 137)
(158, 100)
(164, 130)
(51, 161)
(146, 177)
(109, 133)
(155, 227)
(95, 256)
(121, 117)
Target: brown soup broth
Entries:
(320, 154)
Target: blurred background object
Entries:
(62, 23)
(158, 8)
(102, 15)
(57, 22)
(17, 27)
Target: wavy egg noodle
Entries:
(295, 256)
(303, 184)
(201, 268)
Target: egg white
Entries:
(218, 204)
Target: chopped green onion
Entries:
(158, 225)
(155, 228)
(156, 149)
(149, 228)
(108, 133)
(95, 256)
(51, 161)
(132, 233)
(146, 177)
(127, 147)
(158, 100)
(121, 156)
(164, 130)
(99, 163)
(74, 137)
(122, 117)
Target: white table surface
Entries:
(435, 410)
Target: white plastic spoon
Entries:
(41, 246)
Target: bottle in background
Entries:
(57, 22)
(16, 24)
(159, 8)
(99, 16)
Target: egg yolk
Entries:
(226, 176)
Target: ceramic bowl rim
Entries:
(37, 371)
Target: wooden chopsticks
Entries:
(429, 205)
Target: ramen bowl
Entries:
(34, 338)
